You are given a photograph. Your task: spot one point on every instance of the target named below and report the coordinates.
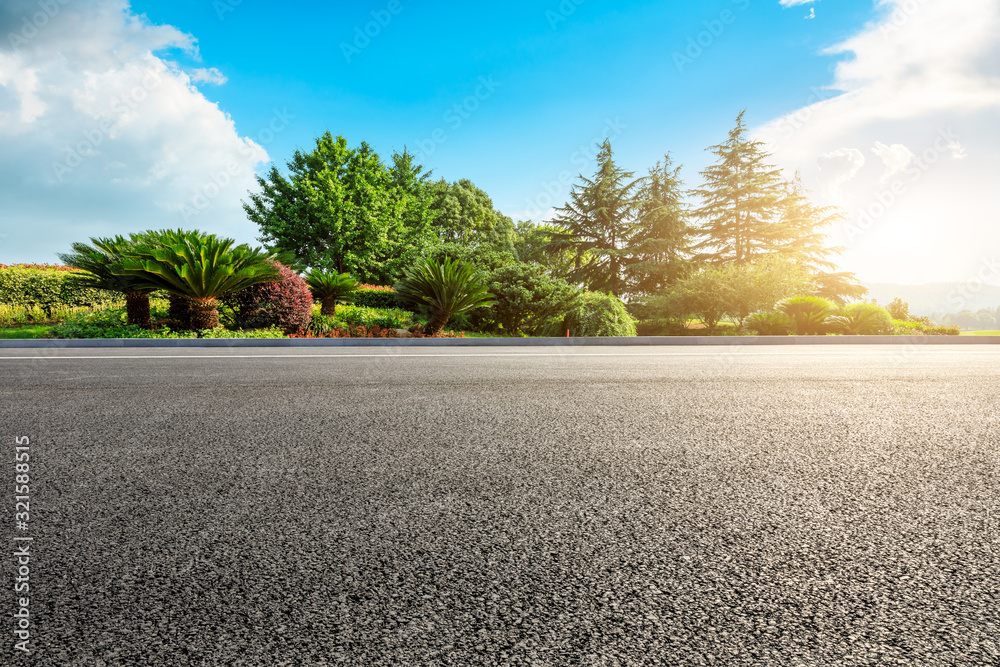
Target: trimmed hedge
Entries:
(377, 296)
(48, 287)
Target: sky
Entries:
(117, 117)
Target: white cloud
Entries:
(896, 158)
(838, 168)
(919, 83)
(104, 135)
(795, 3)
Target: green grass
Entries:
(980, 333)
(25, 331)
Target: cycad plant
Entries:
(774, 323)
(100, 267)
(446, 288)
(331, 288)
(808, 313)
(859, 319)
(199, 266)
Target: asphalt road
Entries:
(557, 506)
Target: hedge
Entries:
(377, 296)
(47, 286)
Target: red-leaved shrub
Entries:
(359, 331)
(286, 304)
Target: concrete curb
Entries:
(500, 342)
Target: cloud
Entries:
(896, 158)
(103, 134)
(795, 3)
(920, 83)
(839, 167)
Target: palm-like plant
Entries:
(858, 319)
(808, 313)
(201, 267)
(331, 288)
(775, 323)
(445, 288)
(99, 267)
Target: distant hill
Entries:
(937, 298)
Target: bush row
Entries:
(49, 288)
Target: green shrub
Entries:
(527, 300)
(943, 331)
(49, 288)
(377, 296)
(111, 324)
(598, 314)
(393, 318)
(808, 313)
(773, 323)
(443, 289)
(862, 319)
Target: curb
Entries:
(499, 342)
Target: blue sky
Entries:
(118, 116)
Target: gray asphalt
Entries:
(578, 506)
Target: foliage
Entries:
(860, 319)
(534, 245)
(839, 287)
(760, 284)
(112, 324)
(484, 257)
(742, 200)
(373, 296)
(707, 294)
(600, 219)
(527, 299)
(285, 304)
(394, 318)
(770, 323)
(49, 287)
(100, 265)
(598, 314)
(331, 288)
(359, 331)
(444, 288)
(199, 266)
(342, 209)
(464, 215)
(36, 314)
(808, 313)
(802, 223)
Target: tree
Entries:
(600, 220)
(742, 202)
(659, 246)
(707, 294)
(341, 209)
(100, 267)
(533, 245)
(464, 214)
(527, 298)
(445, 288)
(201, 267)
(760, 285)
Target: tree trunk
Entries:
(137, 309)
(436, 325)
(329, 308)
(204, 314)
(180, 311)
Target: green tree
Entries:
(742, 202)
(758, 286)
(527, 299)
(341, 209)
(659, 246)
(707, 294)
(464, 214)
(600, 220)
(533, 245)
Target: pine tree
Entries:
(742, 202)
(601, 219)
(660, 245)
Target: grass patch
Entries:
(980, 333)
(25, 331)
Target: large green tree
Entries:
(342, 209)
(464, 215)
(600, 220)
(742, 202)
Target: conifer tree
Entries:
(660, 245)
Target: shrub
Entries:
(49, 287)
(111, 324)
(331, 288)
(395, 318)
(377, 296)
(286, 304)
(350, 332)
(860, 319)
(444, 288)
(773, 323)
(527, 299)
(598, 314)
(808, 313)
(943, 331)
